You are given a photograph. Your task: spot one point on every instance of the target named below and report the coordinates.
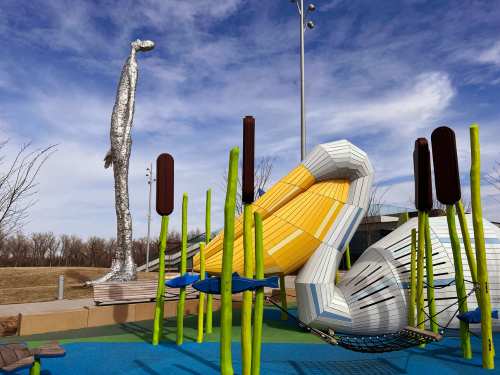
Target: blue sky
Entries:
(378, 73)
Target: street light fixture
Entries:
(304, 24)
(150, 180)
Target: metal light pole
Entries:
(149, 175)
(303, 24)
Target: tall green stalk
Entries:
(259, 296)
(226, 312)
(420, 271)
(201, 302)
(160, 291)
(403, 218)
(182, 292)
(246, 308)
(208, 231)
(36, 367)
(413, 278)
(431, 303)
(471, 259)
(459, 281)
(482, 269)
(347, 257)
(284, 304)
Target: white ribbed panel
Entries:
(381, 277)
(319, 301)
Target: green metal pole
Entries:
(36, 367)
(208, 231)
(208, 208)
(182, 292)
(259, 296)
(413, 278)
(348, 257)
(201, 301)
(459, 281)
(403, 218)
(430, 275)
(246, 308)
(482, 269)
(284, 304)
(160, 291)
(471, 259)
(420, 271)
(226, 312)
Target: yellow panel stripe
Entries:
(326, 219)
(285, 241)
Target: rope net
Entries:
(403, 339)
(406, 338)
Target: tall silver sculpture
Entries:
(123, 267)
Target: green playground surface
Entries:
(275, 330)
(286, 349)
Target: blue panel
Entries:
(351, 228)
(437, 282)
(489, 240)
(325, 314)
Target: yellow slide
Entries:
(299, 213)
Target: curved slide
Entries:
(309, 217)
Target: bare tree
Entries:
(17, 185)
(262, 176)
(376, 201)
(72, 250)
(95, 250)
(18, 250)
(39, 246)
(493, 178)
(52, 245)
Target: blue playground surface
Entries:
(277, 358)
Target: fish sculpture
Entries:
(182, 281)
(372, 297)
(238, 284)
(474, 316)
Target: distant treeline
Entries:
(49, 250)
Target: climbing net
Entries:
(403, 339)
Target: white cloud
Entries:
(401, 109)
(490, 55)
(371, 86)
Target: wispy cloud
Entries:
(490, 55)
(379, 75)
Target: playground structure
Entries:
(304, 224)
(376, 288)
(309, 217)
(366, 310)
(302, 209)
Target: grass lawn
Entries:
(39, 284)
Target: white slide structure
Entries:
(372, 297)
(320, 302)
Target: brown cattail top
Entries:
(446, 173)
(248, 159)
(422, 172)
(164, 184)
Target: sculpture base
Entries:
(120, 271)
